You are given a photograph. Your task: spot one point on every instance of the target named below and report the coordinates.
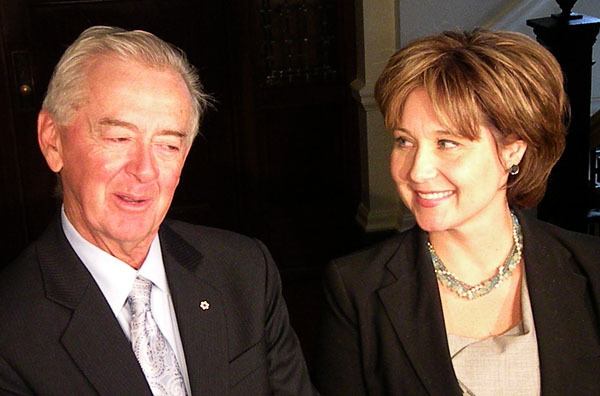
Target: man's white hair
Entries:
(67, 87)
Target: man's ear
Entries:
(49, 140)
(513, 151)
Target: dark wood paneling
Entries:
(12, 212)
(303, 128)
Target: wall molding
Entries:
(376, 41)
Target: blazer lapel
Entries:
(560, 311)
(200, 315)
(92, 337)
(413, 306)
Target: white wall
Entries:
(419, 18)
(424, 17)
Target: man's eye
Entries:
(118, 139)
(168, 147)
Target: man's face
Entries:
(121, 156)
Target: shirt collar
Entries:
(113, 276)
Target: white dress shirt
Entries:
(115, 279)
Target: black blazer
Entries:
(383, 329)
(58, 335)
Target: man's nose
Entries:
(142, 163)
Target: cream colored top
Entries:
(507, 364)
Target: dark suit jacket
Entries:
(58, 335)
(383, 328)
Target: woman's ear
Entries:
(513, 151)
(49, 140)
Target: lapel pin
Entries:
(204, 305)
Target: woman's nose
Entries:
(424, 165)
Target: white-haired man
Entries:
(112, 299)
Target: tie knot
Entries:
(139, 298)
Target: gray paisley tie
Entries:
(151, 348)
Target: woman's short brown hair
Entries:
(502, 79)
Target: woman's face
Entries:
(447, 181)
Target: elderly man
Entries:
(112, 299)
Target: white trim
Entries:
(595, 107)
(363, 95)
(375, 42)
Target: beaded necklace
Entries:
(470, 292)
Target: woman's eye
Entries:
(447, 144)
(402, 142)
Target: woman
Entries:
(477, 298)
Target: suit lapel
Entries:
(413, 306)
(200, 315)
(102, 351)
(93, 337)
(560, 311)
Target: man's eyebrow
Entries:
(119, 123)
(127, 125)
(171, 132)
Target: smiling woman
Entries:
(466, 301)
(446, 179)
